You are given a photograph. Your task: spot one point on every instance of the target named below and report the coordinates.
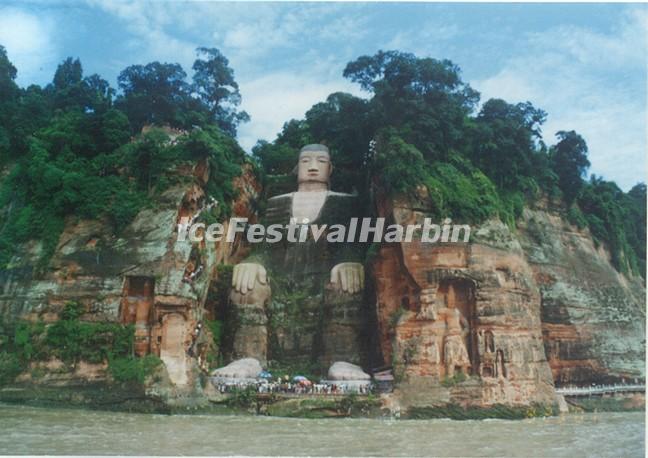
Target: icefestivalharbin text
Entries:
(364, 230)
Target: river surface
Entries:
(31, 430)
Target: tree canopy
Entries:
(422, 125)
(159, 93)
(213, 81)
(76, 149)
(569, 161)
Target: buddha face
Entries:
(314, 167)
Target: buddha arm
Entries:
(348, 274)
(253, 270)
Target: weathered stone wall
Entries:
(421, 286)
(537, 305)
(542, 305)
(144, 277)
(593, 317)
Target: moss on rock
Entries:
(500, 411)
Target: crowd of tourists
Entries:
(293, 387)
(342, 378)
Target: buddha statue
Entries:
(312, 311)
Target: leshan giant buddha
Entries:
(313, 312)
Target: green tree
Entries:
(71, 91)
(636, 204)
(399, 166)
(68, 74)
(569, 161)
(148, 158)
(275, 158)
(506, 140)
(8, 97)
(278, 159)
(613, 217)
(225, 158)
(99, 94)
(153, 94)
(424, 98)
(344, 123)
(32, 111)
(214, 82)
(67, 89)
(295, 133)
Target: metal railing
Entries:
(599, 389)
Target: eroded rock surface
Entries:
(593, 317)
(460, 323)
(145, 277)
(502, 319)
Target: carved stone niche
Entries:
(171, 336)
(163, 308)
(487, 354)
(136, 304)
(456, 293)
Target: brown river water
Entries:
(31, 430)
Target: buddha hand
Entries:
(246, 275)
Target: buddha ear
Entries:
(294, 170)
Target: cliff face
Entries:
(499, 320)
(593, 317)
(540, 304)
(489, 289)
(144, 277)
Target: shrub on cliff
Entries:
(71, 341)
(243, 397)
(133, 369)
(401, 165)
(619, 220)
(10, 367)
(68, 339)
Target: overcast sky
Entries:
(585, 64)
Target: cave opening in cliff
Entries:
(138, 294)
(487, 354)
(459, 294)
(500, 367)
(136, 305)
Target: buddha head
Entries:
(314, 165)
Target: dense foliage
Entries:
(76, 149)
(422, 126)
(133, 369)
(71, 340)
